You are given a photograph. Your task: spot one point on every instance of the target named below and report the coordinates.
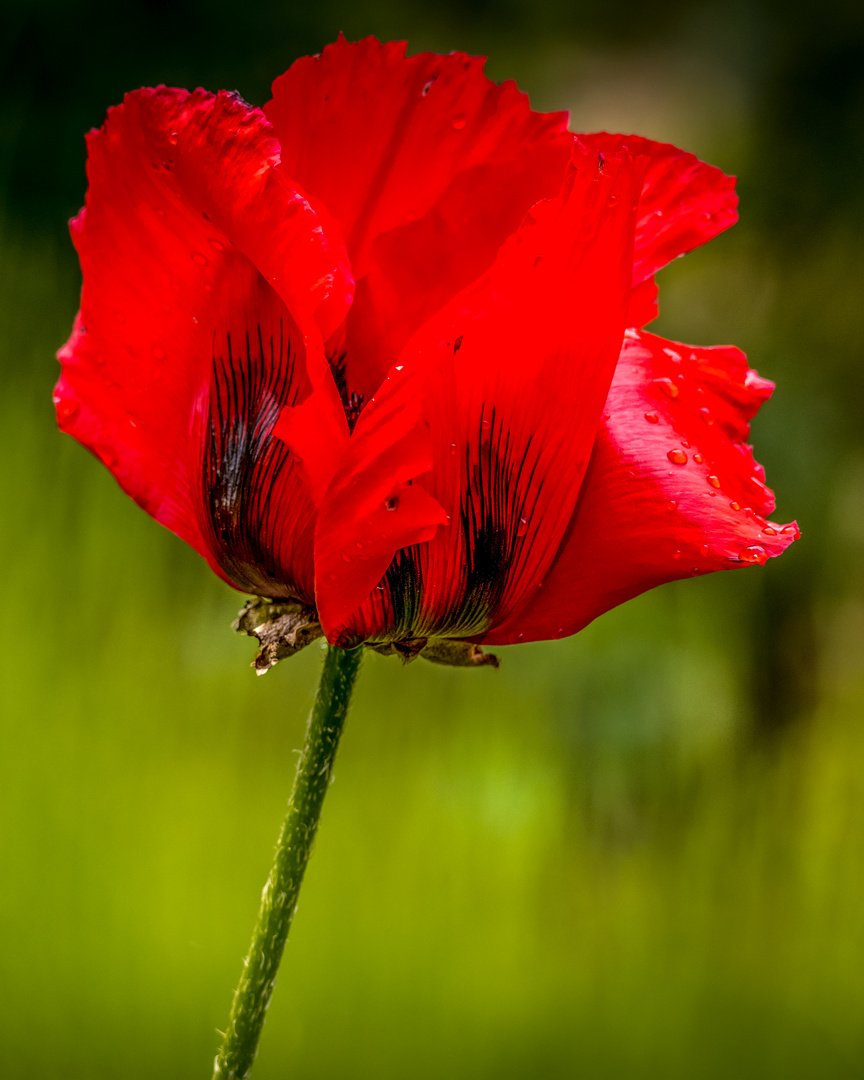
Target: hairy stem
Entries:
(279, 900)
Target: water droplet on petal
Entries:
(753, 554)
(197, 257)
(452, 449)
(346, 557)
(459, 121)
(706, 416)
(677, 457)
(789, 529)
(685, 444)
(428, 86)
(358, 544)
(652, 417)
(672, 354)
(173, 138)
(671, 505)
(676, 555)
(522, 527)
(668, 387)
(714, 481)
(67, 409)
(703, 551)
(769, 531)
(217, 245)
(735, 505)
(698, 459)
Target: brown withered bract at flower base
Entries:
(377, 351)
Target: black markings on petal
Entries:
(352, 402)
(500, 493)
(498, 505)
(242, 463)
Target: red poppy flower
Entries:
(377, 348)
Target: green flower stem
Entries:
(279, 900)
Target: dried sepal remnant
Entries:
(458, 654)
(447, 651)
(282, 629)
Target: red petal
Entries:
(684, 203)
(512, 375)
(427, 165)
(176, 181)
(672, 489)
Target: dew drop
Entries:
(671, 505)
(672, 355)
(706, 416)
(158, 352)
(652, 417)
(677, 457)
(522, 527)
(173, 138)
(735, 505)
(459, 121)
(217, 245)
(714, 481)
(452, 449)
(694, 571)
(668, 387)
(67, 409)
(698, 459)
(346, 557)
(789, 529)
(358, 544)
(428, 86)
(704, 550)
(685, 444)
(753, 554)
(676, 555)
(197, 257)
(769, 531)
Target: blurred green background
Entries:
(636, 853)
